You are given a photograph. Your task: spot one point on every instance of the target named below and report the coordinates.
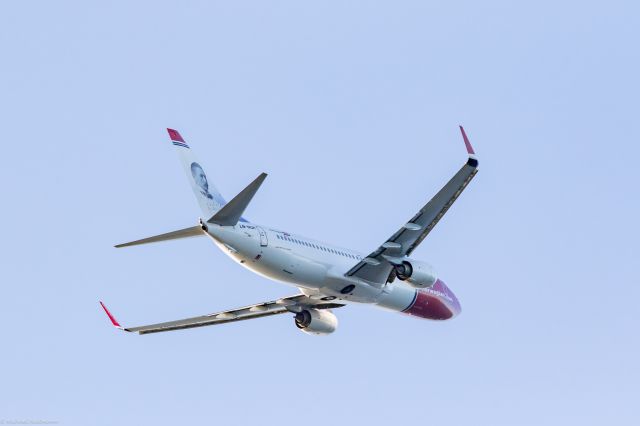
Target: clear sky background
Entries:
(352, 108)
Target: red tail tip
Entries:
(175, 135)
(466, 141)
(114, 321)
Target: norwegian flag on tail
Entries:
(176, 139)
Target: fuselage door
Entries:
(263, 237)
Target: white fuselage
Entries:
(316, 268)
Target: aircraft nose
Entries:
(452, 301)
(435, 303)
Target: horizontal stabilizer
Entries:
(194, 231)
(230, 214)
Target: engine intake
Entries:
(315, 321)
(418, 274)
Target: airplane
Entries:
(327, 277)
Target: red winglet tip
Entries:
(114, 321)
(175, 135)
(470, 150)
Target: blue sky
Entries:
(352, 108)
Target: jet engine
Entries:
(315, 321)
(418, 274)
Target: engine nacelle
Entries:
(418, 274)
(315, 321)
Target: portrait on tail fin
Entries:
(200, 178)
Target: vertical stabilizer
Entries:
(206, 193)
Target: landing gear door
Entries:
(263, 237)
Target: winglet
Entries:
(114, 321)
(466, 141)
(473, 161)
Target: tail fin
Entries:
(206, 193)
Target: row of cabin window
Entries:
(304, 243)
